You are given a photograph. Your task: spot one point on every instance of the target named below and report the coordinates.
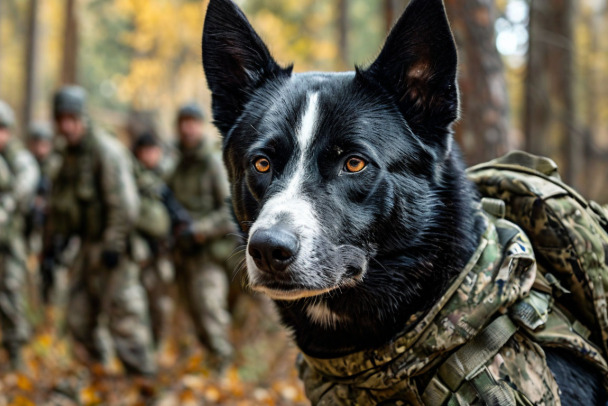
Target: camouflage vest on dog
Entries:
(480, 344)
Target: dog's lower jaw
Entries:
(291, 295)
(298, 293)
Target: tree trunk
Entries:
(483, 131)
(592, 100)
(389, 14)
(549, 115)
(343, 33)
(392, 11)
(69, 72)
(1, 14)
(31, 64)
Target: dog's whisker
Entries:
(237, 251)
(239, 269)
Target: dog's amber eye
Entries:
(355, 164)
(262, 165)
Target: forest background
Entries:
(533, 76)
(533, 72)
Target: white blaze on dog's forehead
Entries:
(290, 199)
(305, 136)
(308, 124)
(320, 314)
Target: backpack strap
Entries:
(468, 365)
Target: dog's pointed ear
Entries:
(236, 61)
(418, 66)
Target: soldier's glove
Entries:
(153, 244)
(110, 258)
(47, 276)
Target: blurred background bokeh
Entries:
(533, 72)
(533, 76)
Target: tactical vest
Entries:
(50, 166)
(153, 220)
(76, 205)
(6, 176)
(10, 152)
(192, 184)
(77, 198)
(480, 344)
(15, 223)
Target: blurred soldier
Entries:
(149, 152)
(159, 213)
(141, 122)
(200, 185)
(40, 144)
(94, 197)
(13, 268)
(7, 211)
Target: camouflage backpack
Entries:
(569, 234)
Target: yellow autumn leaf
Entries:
(90, 396)
(21, 401)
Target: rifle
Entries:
(48, 263)
(181, 221)
(177, 213)
(36, 217)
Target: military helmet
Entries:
(146, 139)
(40, 132)
(70, 100)
(7, 115)
(191, 110)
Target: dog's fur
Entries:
(366, 250)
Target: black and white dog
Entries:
(348, 186)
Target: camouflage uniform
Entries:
(153, 228)
(94, 197)
(6, 182)
(48, 167)
(480, 344)
(13, 266)
(200, 185)
(168, 162)
(7, 211)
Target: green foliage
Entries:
(108, 57)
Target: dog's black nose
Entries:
(273, 249)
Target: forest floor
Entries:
(263, 372)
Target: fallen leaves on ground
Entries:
(263, 372)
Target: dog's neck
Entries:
(376, 311)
